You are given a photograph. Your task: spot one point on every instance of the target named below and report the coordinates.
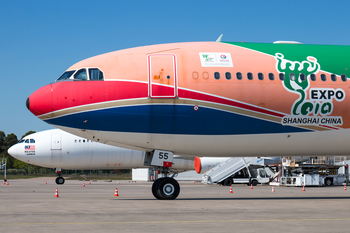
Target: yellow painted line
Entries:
(201, 221)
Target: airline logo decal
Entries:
(29, 149)
(216, 59)
(314, 106)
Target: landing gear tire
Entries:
(60, 180)
(154, 188)
(166, 189)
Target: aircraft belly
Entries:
(333, 142)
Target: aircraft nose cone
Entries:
(13, 151)
(27, 103)
(40, 102)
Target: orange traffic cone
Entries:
(194, 181)
(83, 184)
(251, 186)
(90, 182)
(273, 189)
(4, 183)
(231, 189)
(345, 187)
(45, 182)
(303, 188)
(116, 193)
(56, 194)
(7, 182)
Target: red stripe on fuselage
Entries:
(77, 93)
(70, 94)
(205, 97)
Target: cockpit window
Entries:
(21, 141)
(27, 141)
(95, 74)
(80, 75)
(32, 141)
(65, 75)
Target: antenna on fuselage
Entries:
(219, 39)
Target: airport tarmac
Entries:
(31, 206)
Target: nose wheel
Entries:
(60, 180)
(165, 189)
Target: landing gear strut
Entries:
(59, 180)
(165, 188)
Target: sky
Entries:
(40, 39)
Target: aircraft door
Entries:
(56, 141)
(162, 76)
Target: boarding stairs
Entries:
(229, 168)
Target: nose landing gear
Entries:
(165, 188)
(59, 180)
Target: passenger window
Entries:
(32, 141)
(271, 76)
(205, 75)
(343, 77)
(313, 77)
(217, 75)
(228, 75)
(80, 75)
(323, 77)
(79, 140)
(239, 75)
(333, 77)
(250, 76)
(260, 76)
(195, 75)
(281, 76)
(292, 77)
(83, 141)
(95, 74)
(75, 140)
(302, 77)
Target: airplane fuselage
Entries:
(58, 149)
(207, 99)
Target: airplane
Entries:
(58, 149)
(209, 99)
(61, 150)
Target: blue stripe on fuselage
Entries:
(171, 119)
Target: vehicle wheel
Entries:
(60, 180)
(328, 182)
(168, 189)
(254, 182)
(154, 188)
(228, 182)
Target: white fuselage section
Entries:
(56, 148)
